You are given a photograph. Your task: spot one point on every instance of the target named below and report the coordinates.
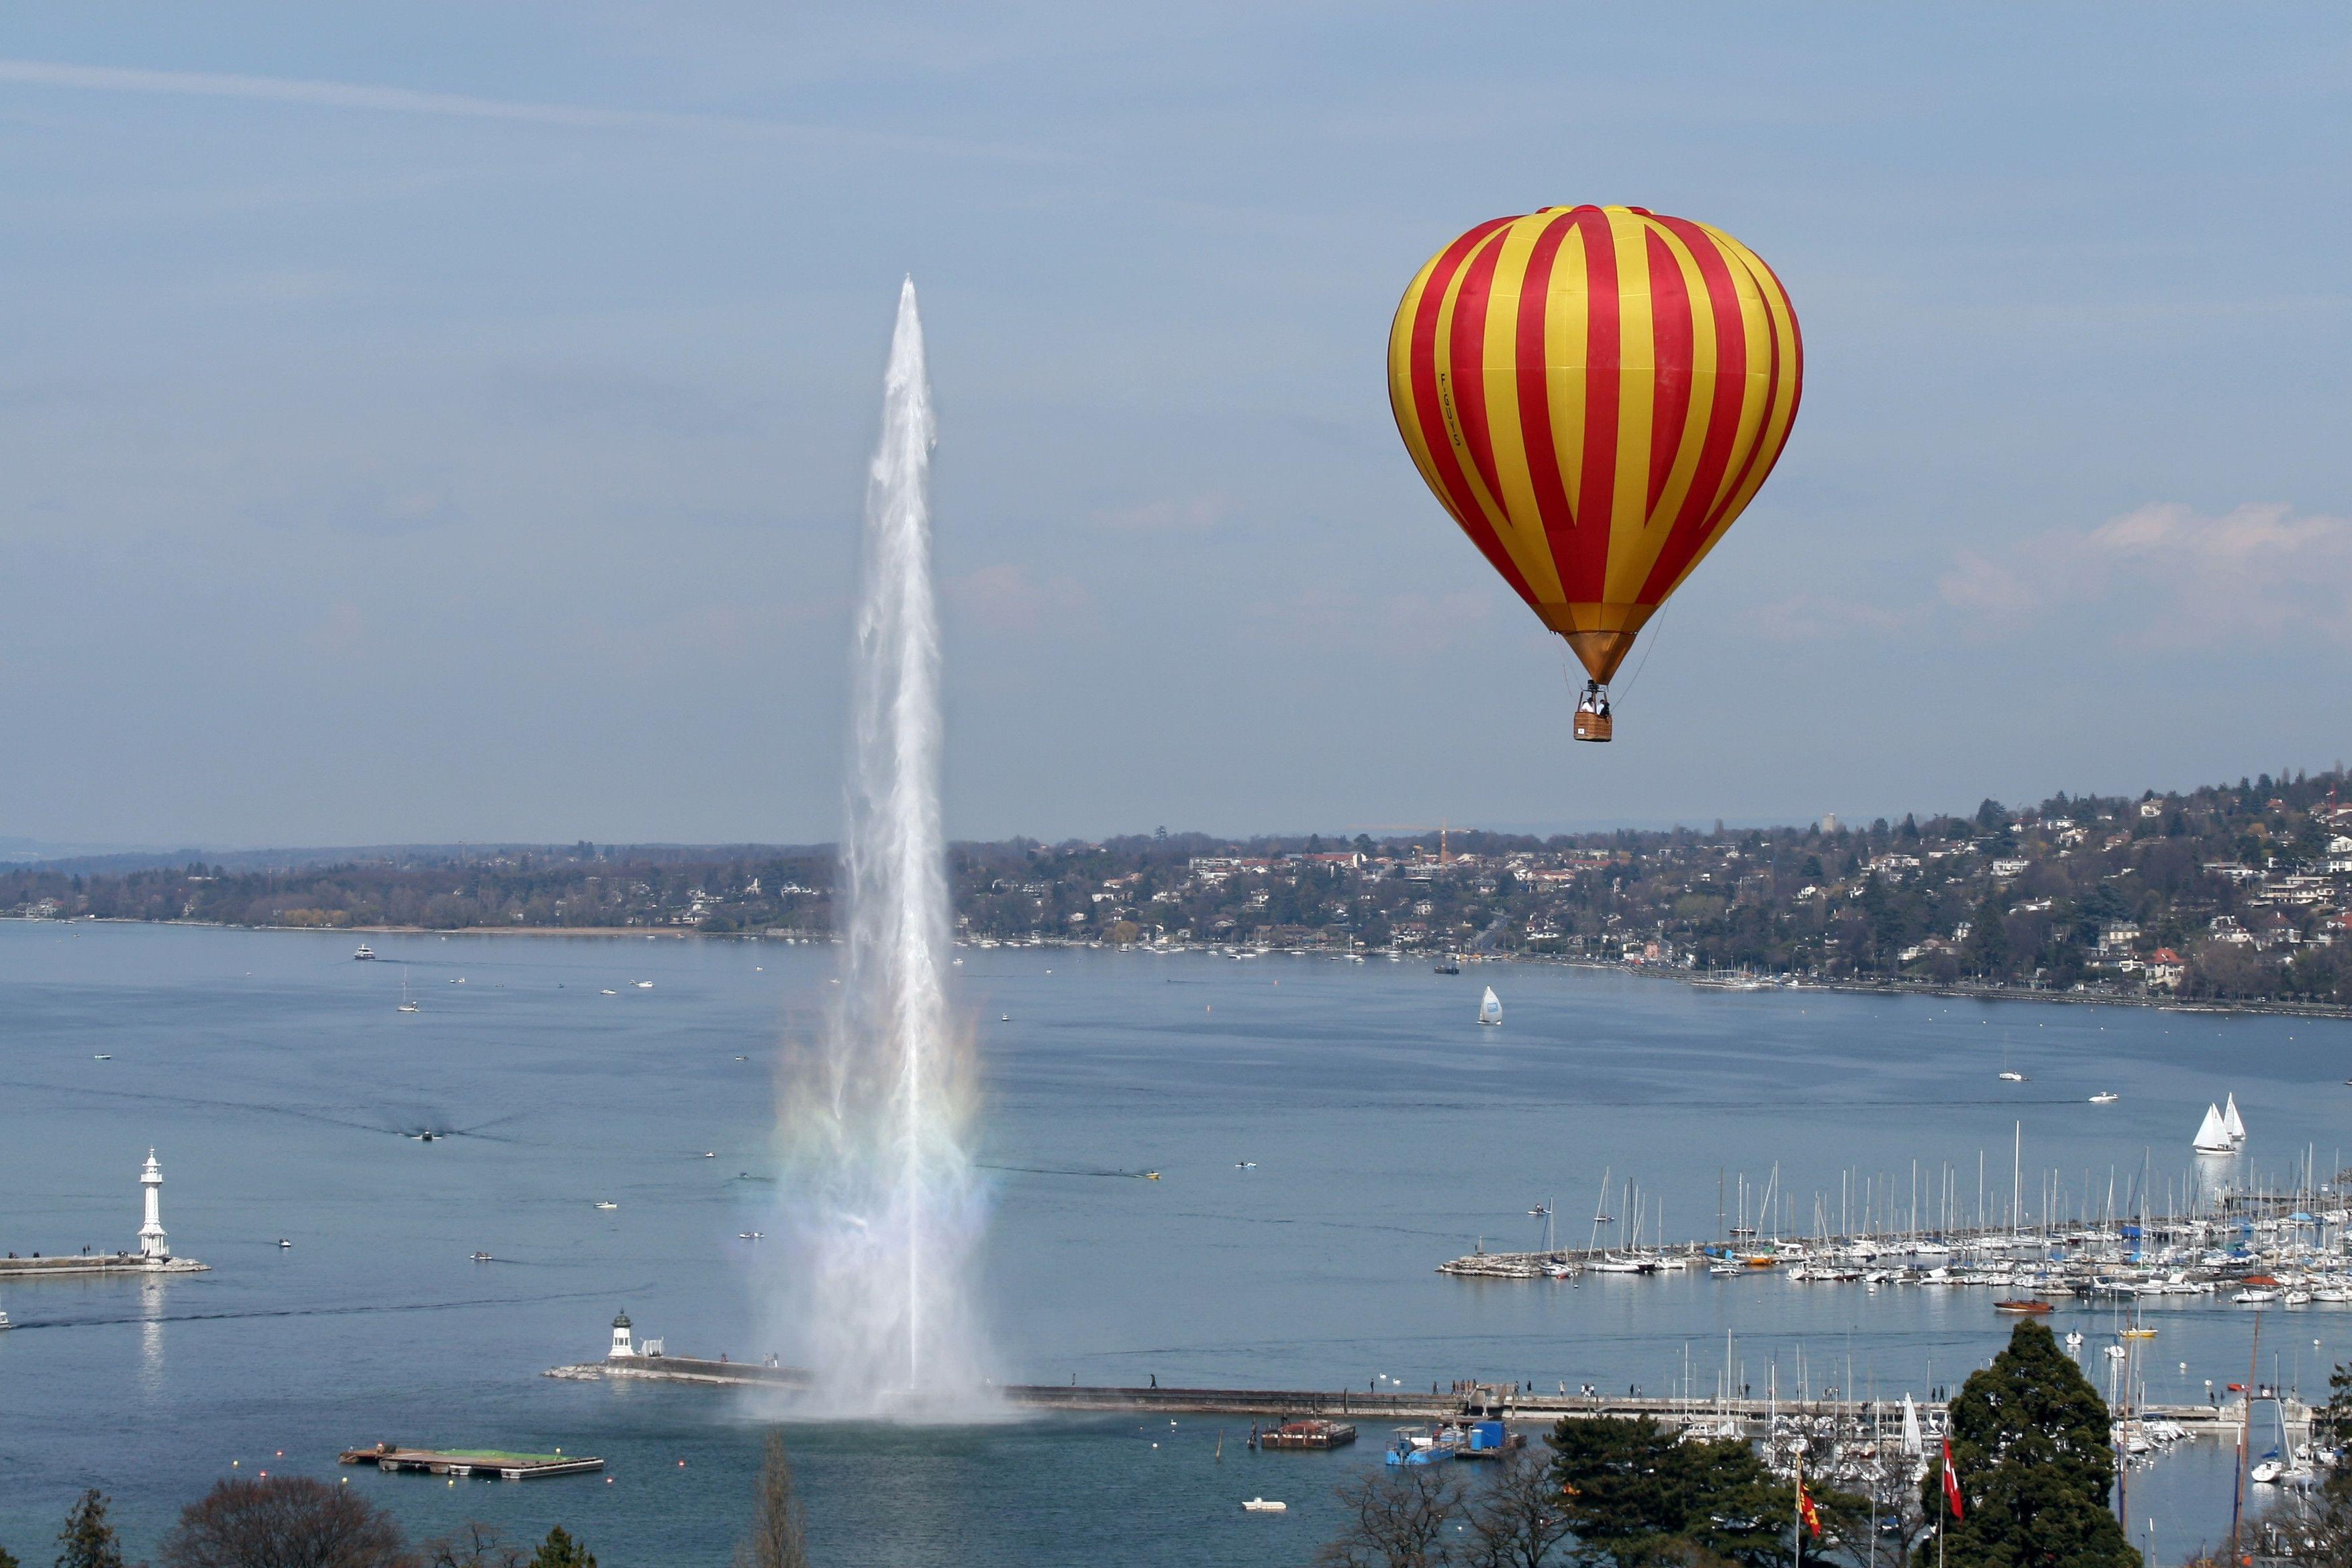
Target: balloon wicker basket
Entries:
(1591, 726)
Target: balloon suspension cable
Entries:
(1657, 628)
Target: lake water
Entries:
(1388, 1131)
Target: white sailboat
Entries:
(1913, 1442)
(1490, 1008)
(2233, 1123)
(405, 1005)
(2213, 1133)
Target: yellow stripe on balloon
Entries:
(1523, 536)
(1632, 549)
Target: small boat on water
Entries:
(482, 1257)
(2255, 1296)
(2105, 1097)
(1421, 1446)
(1451, 966)
(1265, 1505)
(602, 1204)
(364, 953)
(407, 1004)
(5, 1323)
(1490, 1008)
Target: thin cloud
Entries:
(453, 106)
(2259, 570)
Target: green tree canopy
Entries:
(2036, 1465)
(560, 1551)
(1635, 1496)
(88, 1541)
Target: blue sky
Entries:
(450, 421)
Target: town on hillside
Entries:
(2230, 893)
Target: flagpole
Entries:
(1799, 1531)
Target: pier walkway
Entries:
(1750, 1418)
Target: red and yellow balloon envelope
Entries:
(1595, 394)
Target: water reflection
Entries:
(150, 1337)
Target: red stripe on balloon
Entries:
(1670, 332)
(1428, 413)
(1584, 570)
(1535, 389)
(1692, 520)
(1468, 354)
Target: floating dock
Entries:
(506, 1467)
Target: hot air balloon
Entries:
(1594, 394)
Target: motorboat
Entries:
(644, 985)
(603, 1205)
(1421, 1446)
(283, 1243)
(482, 1257)
(2023, 1305)
(2105, 1097)
(1264, 1505)
(364, 953)
(5, 1323)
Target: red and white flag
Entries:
(1951, 1482)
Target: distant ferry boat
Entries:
(364, 953)
(1490, 1008)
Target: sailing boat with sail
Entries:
(2233, 1125)
(2213, 1133)
(1490, 1008)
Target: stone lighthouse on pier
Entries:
(152, 1243)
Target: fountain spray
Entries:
(884, 1209)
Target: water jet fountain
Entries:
(878, 1186)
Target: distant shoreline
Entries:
(2326, 1011)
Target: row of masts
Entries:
(1937, 1202)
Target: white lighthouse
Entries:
(151, 1241)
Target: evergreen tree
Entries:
(560, 1551)
(1634, 1494)
(2036, 1465)
(88, 1541)
(7, 1558)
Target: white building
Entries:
(152, 1243)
